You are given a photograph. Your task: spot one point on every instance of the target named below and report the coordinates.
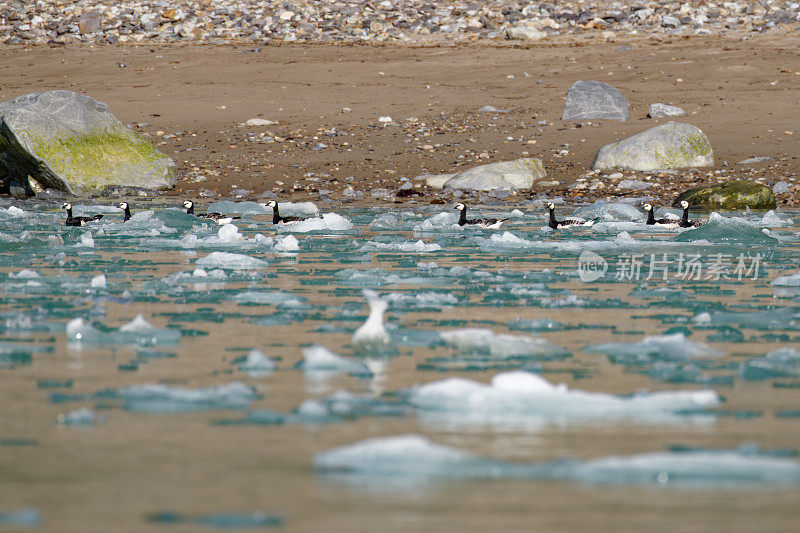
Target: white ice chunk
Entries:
(673, 347)
(328, 222)
(288, 243)
(24, 274)
(417, 247)
(526, 400)
(157, 398)
(87, 240)
(485, 341)
(320, 359)
(257, 364)
(231, 261)
(403, 455)
(99, 282)
(372, 334)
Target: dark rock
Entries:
(732, 195)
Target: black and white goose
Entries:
(216, 217)
(662, 222)
(127, 209)
(488, 223)
(77, 221)
(277, 218)
(685, 222)
(568, 223)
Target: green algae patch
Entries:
(98, 159)
(71, 142)
(731, 195)
(667, 146)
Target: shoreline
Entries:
(193, 100)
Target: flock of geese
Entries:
(489, 223)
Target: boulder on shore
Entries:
(516, 174)
(71, 142)
(659, 110)
(731, 195)
(588, 100)
(666, 146)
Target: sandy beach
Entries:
(324, 105)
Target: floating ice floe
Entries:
(221, 521)
(372, 335)
(503, 346)
(98, 282)
(288, 243)
(675, 347)
(80, 417)
(772, 220)
(728, 230)
(27, 518)
(781, 363)
(413, 459)
(138, 332)
(318, 359)
(257, 364)
(327, 223)
(609, 212)
(12, 212)
(280, 299)
(24, 274)
(231, 261)
(780, 318)
(791, 280)
(508, 242)
(156, 398)
(418, 247)
(523, 400)
(423, 300)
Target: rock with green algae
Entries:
(71, 142)
(667, 146)
(517, 174)
(731, 195)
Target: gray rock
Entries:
(595, 100)
(667, 146)
(780, 187)
(114, 191)
(663, 110)
(754, 160)
(634, 185)
(517, 174)
(71, 142)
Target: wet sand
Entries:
(742, 94)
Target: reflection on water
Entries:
(167, 370)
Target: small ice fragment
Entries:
(289, 243)
(229, 233)
(137, 325)
(99, 282)
(372, 334)
(320, 359)
(80, 417)
(24, 274)
(257, 364)
(87, 240)
(231, 261)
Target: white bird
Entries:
(372, 334)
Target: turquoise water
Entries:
(169, 372)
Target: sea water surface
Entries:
(167, 373)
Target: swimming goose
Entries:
(125, 207)
(488, 223)
(277, 218)
(569, 223)
(685, 222)
(77, 221)
(663, 222)
(216, 217)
